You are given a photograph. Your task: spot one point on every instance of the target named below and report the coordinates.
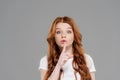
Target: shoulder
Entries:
(87, 56)
(90, 63)
(44, 58)
(43, 63)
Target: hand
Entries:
(64, 56)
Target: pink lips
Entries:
(63, 41)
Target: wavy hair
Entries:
(79, 62)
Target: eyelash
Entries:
(69, 32)
(58, 32)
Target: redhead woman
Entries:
(66, 59)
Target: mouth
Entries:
(63, 41)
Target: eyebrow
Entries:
(67, 28)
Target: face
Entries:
(64, 35)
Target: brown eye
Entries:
(69, 32)
(58, 32)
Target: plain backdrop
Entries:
(24, 26)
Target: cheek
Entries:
(57, 39)
(71, 39)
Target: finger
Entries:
(70, 56)
(66, 58)
(64, 48)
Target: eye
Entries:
(69, 32)
(58, 32)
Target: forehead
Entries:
(63, 26)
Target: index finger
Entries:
(64, 48)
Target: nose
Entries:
(63, 35)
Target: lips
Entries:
(62, 41)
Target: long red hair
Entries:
(79, 63)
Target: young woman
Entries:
(66, 59)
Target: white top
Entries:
(67, 67)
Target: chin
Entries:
(61, 45)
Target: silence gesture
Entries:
(64, 56)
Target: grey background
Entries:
(24, 25)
